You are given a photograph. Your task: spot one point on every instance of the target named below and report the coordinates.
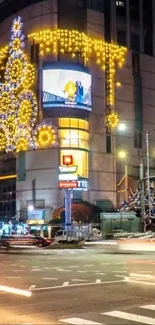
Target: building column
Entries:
(113, 21)
(128, 31)
(153, 21)
(141, 26)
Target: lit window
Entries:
(119, 3)
(73, 123)
(74, 138)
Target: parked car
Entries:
(23, 241)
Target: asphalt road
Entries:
(78, 287)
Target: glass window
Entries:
(134, 10)
(80, 158)
(64, 138)
(86, 125)
(74, 138)
(64, 122)
(81, 124)
(121, 37)
(135, 42)
(74, 123)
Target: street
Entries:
(78, 287)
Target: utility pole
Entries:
(142, 194)
(148, 172)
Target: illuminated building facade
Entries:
(85, 38)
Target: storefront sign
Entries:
(68, 169)
(82, 185)
(68, 177)
(64, 184)
(67, 160)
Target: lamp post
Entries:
(148, 169)
(148, 173)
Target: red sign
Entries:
(68, 184)
(68, 160)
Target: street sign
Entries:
(68, 185)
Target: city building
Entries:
(82, 131)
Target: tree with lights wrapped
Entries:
(18, 105)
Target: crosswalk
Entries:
(141, 315)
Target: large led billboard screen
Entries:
(66, 88)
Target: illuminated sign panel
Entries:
(68, 169)
(68, 184)
(82, 185)
(67, 160)
(68, 177)
(64, 87)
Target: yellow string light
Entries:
(45, 136)
(24, 112)
(22, 144)
(3, 140)
(76, 42)
(112, 120)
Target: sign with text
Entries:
(82, 185)
(67, 160)
(68, 177)
(68, 169)
(68, 185)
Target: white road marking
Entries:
(33, 286)
(79, 285)
(131, 317)
(119, 271)
(79, 321)
(132, 280)
(98, 281)
(148, 276)
(80, 280)
(106, 263)
(48, 268)
(49, 278)
(144, 271)
(36, 270)
(149, 307)
(65, 284)
(62, 270)
(15, 291)
(89, 265)
(73, 266)
(82, 271)
(98, 273)
(12, 277)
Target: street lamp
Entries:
(122, 154)
(30, 208)
(121, 127)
